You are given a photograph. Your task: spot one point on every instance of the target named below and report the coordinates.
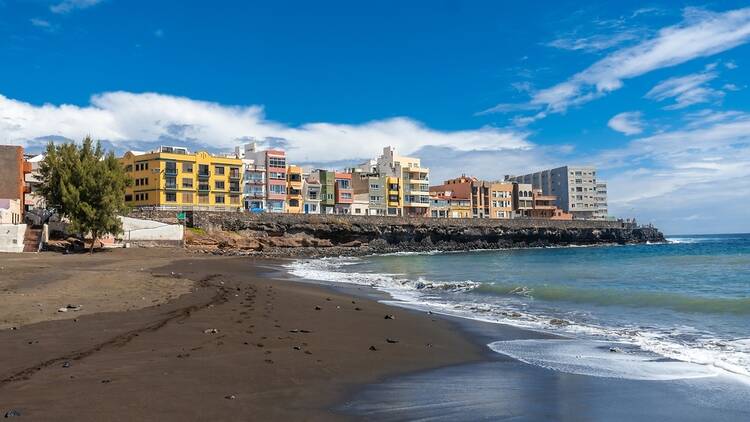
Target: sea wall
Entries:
(318, 235)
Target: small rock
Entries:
(294, 331)
(357, 309)
(615, 350)
(210, 331)
(391, 340)
(62, 310)
(66, 365)
(259, 344)
(297, 348)
(307, 352)
(373, 348)
(317, 308)
(12, 414)
(558, 322)
(305, 331)
(389, 317)
(230, 397)
(106, 381)
(328, 299)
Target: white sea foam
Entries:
(707, 355)
(599, 359)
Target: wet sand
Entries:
(221, 340)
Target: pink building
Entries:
(273, 163)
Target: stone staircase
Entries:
(31, 239)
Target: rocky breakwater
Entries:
(286, 235)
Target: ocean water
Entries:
(679, 310)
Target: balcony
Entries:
(204, 188)
(170, 172)
(235, 175)
(170, 186)
(204, 174)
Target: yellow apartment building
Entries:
(394, 195)
(173, 178)
(294, 199)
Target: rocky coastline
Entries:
(310, 236)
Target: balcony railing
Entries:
(204, 174)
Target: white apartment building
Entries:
(575, 188)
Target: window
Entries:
(170, 183)
(343, 183)
(203, 170)
(203, 185)
(187, 167)
(187, 197)
(277, 175)
(234, 172)
(187, 182)
(234, 186)
(203, 198)
(128, 198)
(277, 162)
(171, 167)
(277, 189)
(346, 195)
(219, 185)
(219, 199)
(234, 199)
(219, 170)
(129, 168)
(374, 186)
(171, 196)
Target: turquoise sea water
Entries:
(675, 310)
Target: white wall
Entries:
(11, 237)
(137, 230)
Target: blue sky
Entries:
(655, 93)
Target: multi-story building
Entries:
(369, 189)
(477, 191)
(311, 192)
(600, 198)
(174, 178)
(253, 179)
(344, 195)
(327, 180)
(274, 162)
(501, 200)
(13, 171)
(294, 196)
(544, 207)
(457, 201)
(414, 181)
(523, 200)
(394, 196)
(574, 187)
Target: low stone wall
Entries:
(11, 237)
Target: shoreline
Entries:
(273, 356)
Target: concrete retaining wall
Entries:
(11, 237)
(139, 232)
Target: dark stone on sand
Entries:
(297, 348)
(12, 414)
(391, 340)
(615, 350)
(317, 308)
(389, 317)
(259, 344)
(294, 331)
(230, 397)
(66, 365)
(268, 361)
(373, 348)
(106, 381)
(357, 309)
(307, 352)
(305, 331)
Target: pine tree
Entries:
(85, 185)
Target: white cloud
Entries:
(686, 90)
(129, 120)
(700, 34)
(67, 6)
(593, 43)
(40, 23)
(628, 122)
(673, 175)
